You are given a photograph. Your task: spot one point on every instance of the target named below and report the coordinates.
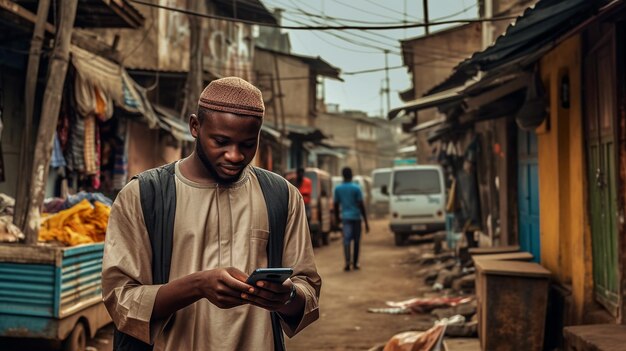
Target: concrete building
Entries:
(369, 142)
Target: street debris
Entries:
(421, 305)
(9, 233)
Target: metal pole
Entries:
(283, 129)
(426, 20)
(388, 90)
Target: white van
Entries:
(380, 201)
(417, 201)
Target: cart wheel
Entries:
(77, 340)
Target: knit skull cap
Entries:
(233, 95)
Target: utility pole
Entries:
(32, 72)
(487, 26)
(388, 90)
(404, 17)
(195, 81)
(426, 20)
(283, 128)
(49, 117)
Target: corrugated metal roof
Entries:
(537, 27)
(317, 64)
(251, 10)
(98, 13)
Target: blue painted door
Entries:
(528, 193)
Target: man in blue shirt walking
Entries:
(349, 197)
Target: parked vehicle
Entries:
(380, 201)
(365, 183)
(321, 219)
(416, 201)
(49, 292)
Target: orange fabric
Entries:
(306, 188)
(81, 224)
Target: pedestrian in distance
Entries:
(349, 199)
(183, 239)
(305, 186)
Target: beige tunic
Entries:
(215, 226)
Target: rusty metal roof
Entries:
(98, 13)
(318, 65)
(251, 10)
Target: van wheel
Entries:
(400, 239)
(77, 340)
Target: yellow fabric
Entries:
(81, 224)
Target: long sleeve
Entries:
(298, 254)
(126, 268)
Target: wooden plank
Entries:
(19, 253)
(21, 12)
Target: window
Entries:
(381, 179)
(416, 182)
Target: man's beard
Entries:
(211, 169)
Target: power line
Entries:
(371, 70)
(321, 28)
(362, 10)
(386, 8)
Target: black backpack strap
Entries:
(276, 194)
(157, 189)
(158, 203)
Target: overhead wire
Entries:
(386, 8)
(321, 28)
(424, 49)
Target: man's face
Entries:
(225, 143)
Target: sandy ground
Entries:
(344, 322)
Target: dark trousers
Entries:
(351, 232)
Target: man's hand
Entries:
(268, 295)
(223, 287)
(367, 227)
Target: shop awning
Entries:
(299, 133)
(169, 121)
(326, 151)
(434, 100)
(112, 79)
(429, 124)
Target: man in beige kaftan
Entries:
(221, 232)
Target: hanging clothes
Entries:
(57, 160)
(95, 180)
(89, 150)
(120, 168)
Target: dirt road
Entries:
(344, 322)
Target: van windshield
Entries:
(416, 182)
(381, 179)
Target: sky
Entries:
(358, 50)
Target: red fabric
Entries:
(306, 188)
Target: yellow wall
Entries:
(565, 234)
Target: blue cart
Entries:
(52, 293)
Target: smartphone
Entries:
(274, 275)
